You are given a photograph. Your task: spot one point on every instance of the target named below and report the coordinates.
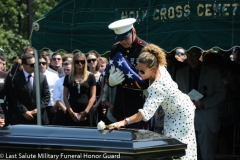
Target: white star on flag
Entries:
(129, 75)
(111, 62)
(119, 62)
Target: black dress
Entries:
(79, 100)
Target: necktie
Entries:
(29, 84)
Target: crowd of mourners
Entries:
(56, 73)
(74, 91)
(61, 103)
(227, 109)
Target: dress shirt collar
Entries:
(26, 74)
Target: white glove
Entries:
(115, 77)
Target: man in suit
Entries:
(173, 64)
(24, 95)
(207, 81)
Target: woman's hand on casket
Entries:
(117, 125)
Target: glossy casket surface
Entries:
(127, 143)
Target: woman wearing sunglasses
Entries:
(79, 92)
(93, 66)
(96, 114)
(179, 109)
(92, 63)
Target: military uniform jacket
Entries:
(129, 94)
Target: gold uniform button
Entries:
(125, 84)
(131, 84)
(140, 94)
(127, 51)
(126, 56)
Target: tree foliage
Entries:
(16, 19)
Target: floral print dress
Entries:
(178, 108)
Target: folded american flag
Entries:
(120, 62)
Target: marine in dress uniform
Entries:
(129, 94)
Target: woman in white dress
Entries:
(179, 109)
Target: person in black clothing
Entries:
(3, 108)
(79, 92)
(93, 67)
(206, 80)
(3, 76)
(129, 94)
(23, 95)
(173, 64)
(16, 67)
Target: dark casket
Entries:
(57, 142)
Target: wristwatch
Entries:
(127, 120)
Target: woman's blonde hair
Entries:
(73, 70)
(152, 55)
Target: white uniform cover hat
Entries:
(122, 28)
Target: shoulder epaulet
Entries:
(142, 42)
